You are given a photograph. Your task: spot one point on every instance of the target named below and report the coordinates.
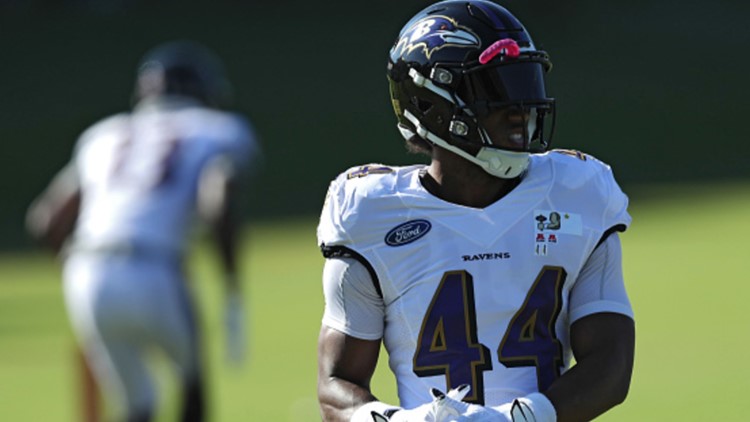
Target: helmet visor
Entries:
(499, 85)
(510, 105)
(518, 128)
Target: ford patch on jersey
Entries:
(407, 232)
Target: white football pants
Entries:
(121, 308)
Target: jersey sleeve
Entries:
(591, 184)
(242, 146)
(232, 152)
(600, 286)
(331, 230)
(352, 304)
(354, 205)
(616, 216)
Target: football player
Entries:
(130, 196)
(489, 271)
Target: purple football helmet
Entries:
(458, 63)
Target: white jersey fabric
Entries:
(483, 297)
(123, 281)
(139, 172)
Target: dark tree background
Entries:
(655, 88)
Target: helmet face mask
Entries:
(457, 70)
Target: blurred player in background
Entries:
(129, 197)
(486, 272)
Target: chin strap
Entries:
(499, 163)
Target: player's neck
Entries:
(465, 184)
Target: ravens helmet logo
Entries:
(433, 33)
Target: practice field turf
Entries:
(685, 257)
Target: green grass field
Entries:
(685, 258)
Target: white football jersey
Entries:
(139, 172)
(475, 296)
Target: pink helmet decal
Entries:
(506, 47)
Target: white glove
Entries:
(521, 412)
(450, 408)
(380, 412)
(457, 393)
(423, 413)
(535, 407)
(479, 413)
(443, 408)
(234, 326)
(435, 411)
(377, 417)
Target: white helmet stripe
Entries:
(424, 82)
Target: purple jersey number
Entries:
(448, 339)
(448, 343)
(128, 168)
(530, 339)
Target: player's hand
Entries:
(450, 408)
(234, 327)
(443, 408)
(377, 417)
(521, 412)
(423, 413)
(517, 411)
(534, 407)
(381, 412)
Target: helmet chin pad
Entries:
(502, 164)
(497, 162)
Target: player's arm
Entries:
(345, 367)
(603, 342)
(217, 197)
(217, 206)
(52, 216)
(603, 345)
(349, 341)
